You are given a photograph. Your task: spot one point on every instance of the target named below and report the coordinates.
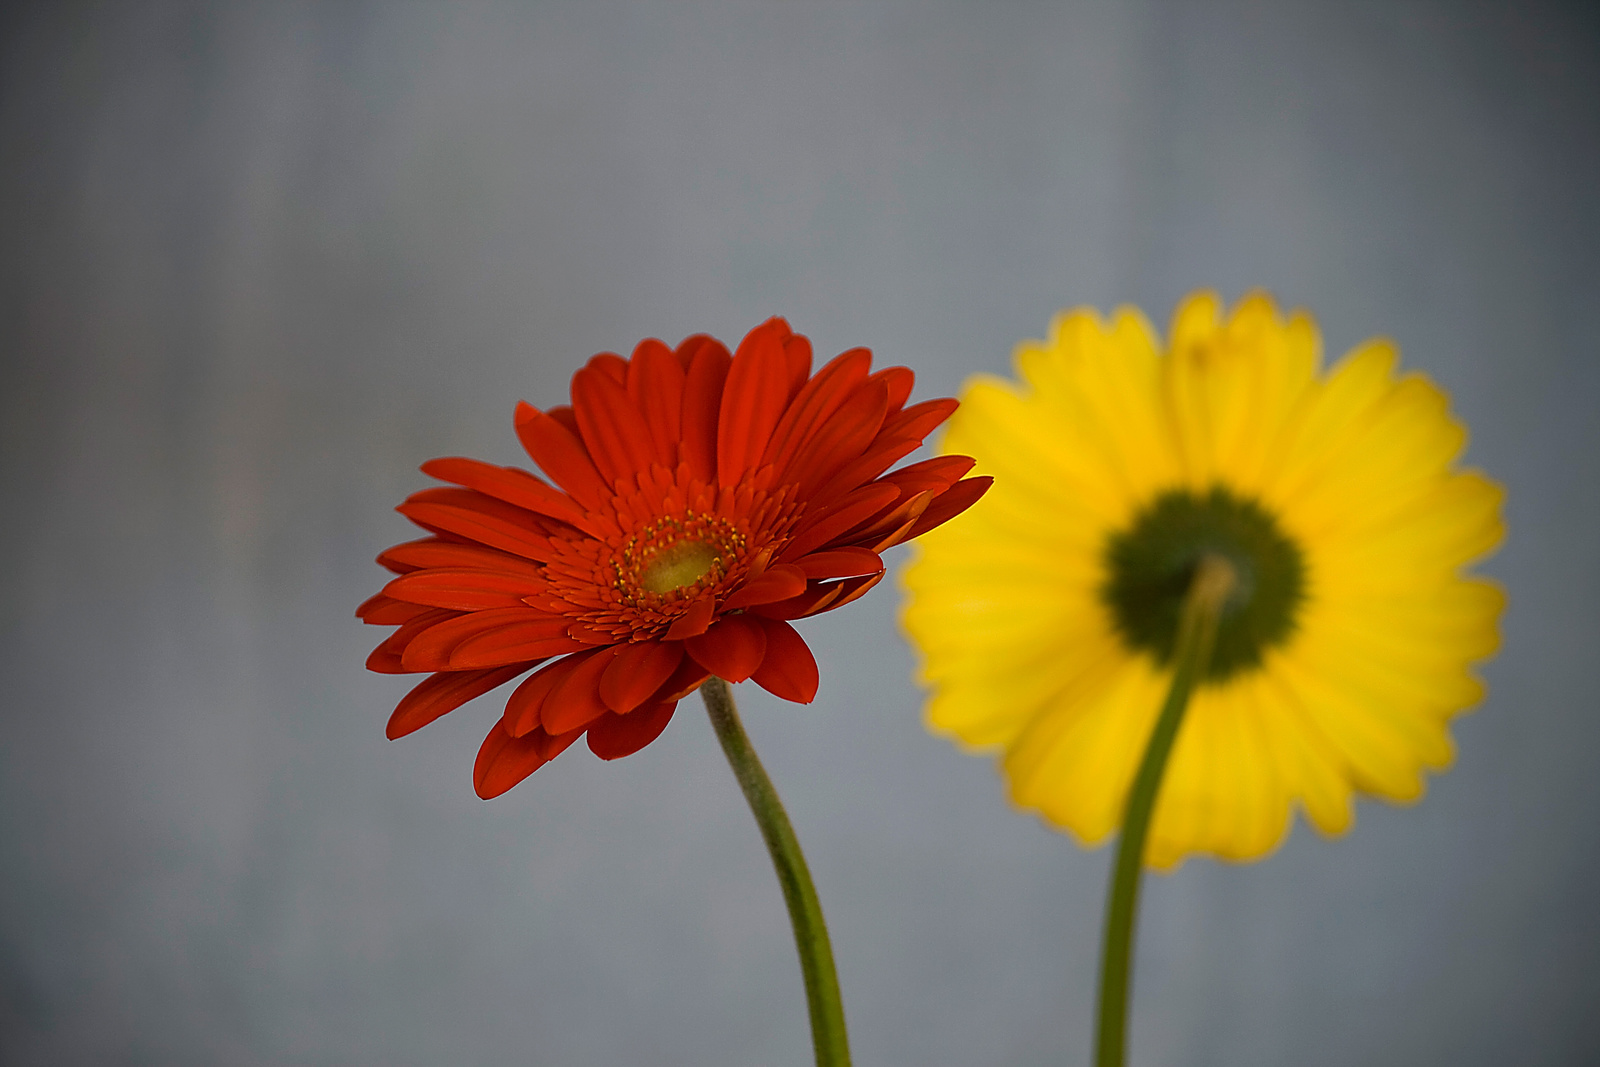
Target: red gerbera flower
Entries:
(708, 500)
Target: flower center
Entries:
(676, 556)
(1152, 562)
(676, 566)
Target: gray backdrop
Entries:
(262, 260)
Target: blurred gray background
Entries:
(261, 260)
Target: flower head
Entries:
(701, 501)
(1047, 618)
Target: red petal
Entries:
(590, 634)
(523, 706)
(898, 380)
(893, 523)
(752, 401)
(613, 736)
(562, 413)
(510, 485)
(387, 563)
(380, 610)
(560, 455)
(789, 670)
(609, 364)
(797, 359)
(702, 400)
(816, 598)
(431, 649)
(919, 420)
(938, 474)
(685, 680)
(854, 509)
(731, 649)
(840, 563)
(576, 701)
(555, 744)
(885, 541)
(385, 659)
(450, 628)
(432, 552)
(613, 428)
(637, 671)
(950, 503)
(655, 382)
(692, 622)
(817, 400)
(775, 583)
(690, 347)
(441, 693)
(819, 598)
(503, 761)
(883, 454)
(845, 437)
(852, 589)
(468, 513)
(519, 642)
(463, 590)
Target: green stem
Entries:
(1214, 579)
(810, 932)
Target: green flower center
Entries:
(1153, 561)
(677, 566)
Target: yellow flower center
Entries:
(677, 556)
(677, 566)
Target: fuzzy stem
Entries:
(1213, 582)
(805, 912)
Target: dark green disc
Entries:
(1151, 563)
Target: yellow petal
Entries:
(1074, 761)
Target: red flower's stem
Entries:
(1213, 582)
(810, 932)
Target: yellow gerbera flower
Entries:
(1046, 616)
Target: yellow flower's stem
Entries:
(1213, 582)
(805, 912)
